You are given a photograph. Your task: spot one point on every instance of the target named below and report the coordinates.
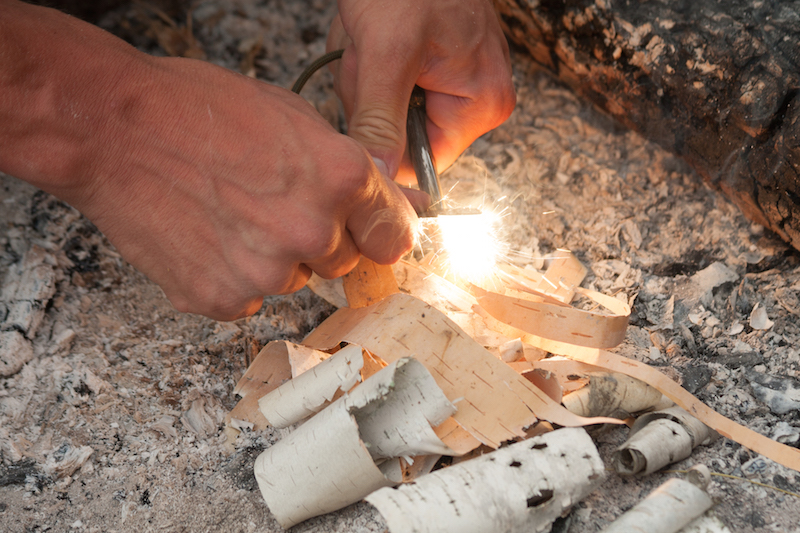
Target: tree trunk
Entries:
(715, 81)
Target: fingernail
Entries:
(382, 166)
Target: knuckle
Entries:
(373, 126)
(393, 249)
(353, 174)
(318, 240)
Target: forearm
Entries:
(64, 83)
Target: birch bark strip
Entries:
(560, 322)
(612, 394)
(330, 290)
(520, 488)
(495, 403)
(368, 283)
(780, 453)
(267, 372)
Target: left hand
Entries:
(454, 49)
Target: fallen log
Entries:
(717, 83)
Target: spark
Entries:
(466, 247)
(469, 246)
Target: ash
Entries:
(114, 423)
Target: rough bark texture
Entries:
(717, 82)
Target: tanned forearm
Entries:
(63, 83)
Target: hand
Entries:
(219, 188)
(454, 49)
(228, 189)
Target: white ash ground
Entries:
(146, 388)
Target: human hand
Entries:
(219, 188)
(454, 49)
(227, 189)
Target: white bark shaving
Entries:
(308, 393)
(521, 488)
(667, 509)
(659, 439)
(327, 463)
(401, 425)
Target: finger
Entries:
(336, 35)
(454, 122)
(343, 259)
(223, 306)
(283, 279)
(383, 225)
(222, 311)
(250, 308)
(419, 200)
(301, 275)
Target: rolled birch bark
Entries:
(308, 393)
(329, 462)
(667, 509)
(521, 488)
(321, 467)
(659, 439)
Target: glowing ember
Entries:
(471, 244)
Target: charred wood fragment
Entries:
(718, 83)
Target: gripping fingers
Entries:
(384, 226)
(341, 261)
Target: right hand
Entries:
(219, 188)
(223, 189)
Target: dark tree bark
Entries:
(715, 81)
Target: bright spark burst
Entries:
(470, 244)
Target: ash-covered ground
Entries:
(115, 424)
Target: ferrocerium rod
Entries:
(419, 150)
(421, 155)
